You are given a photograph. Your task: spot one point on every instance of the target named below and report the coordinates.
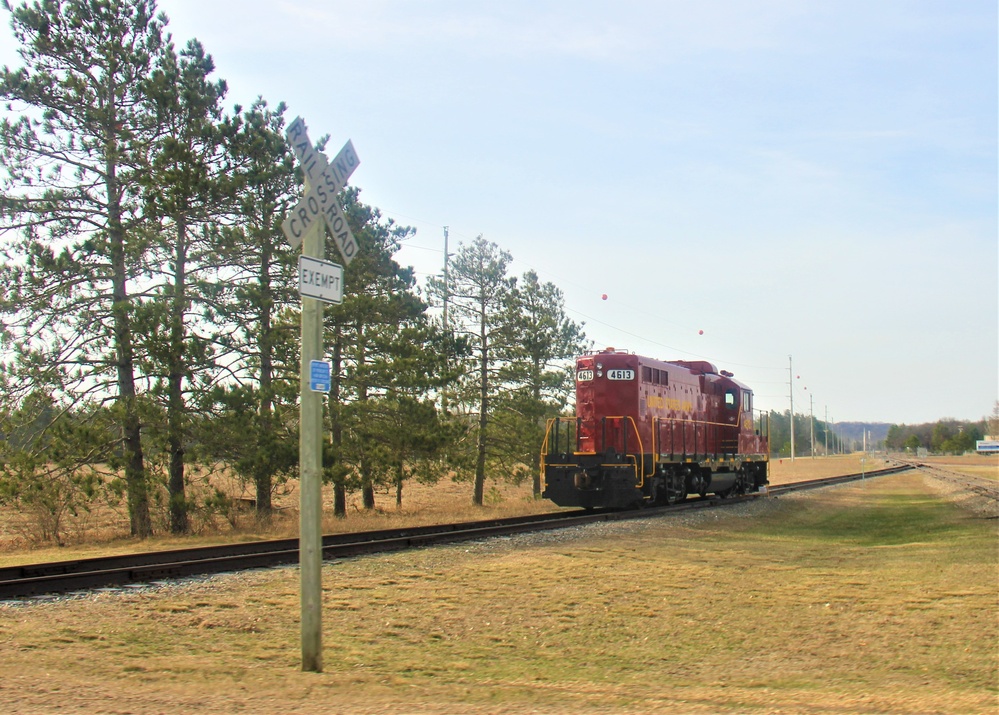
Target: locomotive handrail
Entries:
(554, 421)
(545, 445)
(657, 440)
(639, 470)
(683, 422)
(698, 422)
(764, 433)
(631, 458)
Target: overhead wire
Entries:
(561, 280)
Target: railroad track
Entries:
(830, 481)
(981, 486)
(154, 567)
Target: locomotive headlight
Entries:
(600, 366)
(600, 373)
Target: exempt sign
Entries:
(321, 280)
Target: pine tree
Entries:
(254, 307)
(478, 292)
(376, 336)
(53, 464)
(538, 369)
(187, 188)
(79, 140)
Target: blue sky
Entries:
(808, 179)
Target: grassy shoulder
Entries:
(878, 597)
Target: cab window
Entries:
(730, 400)
(655, 376)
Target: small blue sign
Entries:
(319, 375)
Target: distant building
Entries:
(989, 445)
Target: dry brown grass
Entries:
(105, 531)
(979, 465)
(784, 471)
(878, 597)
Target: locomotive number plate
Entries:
(620, 374)
(584, 375)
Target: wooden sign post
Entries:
(307, 223)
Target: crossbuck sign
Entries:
(326, 180)
(319, 281)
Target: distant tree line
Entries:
(827, 441)
(149, 315)
(944, 436)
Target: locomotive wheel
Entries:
(656, 495)
(676, 490)
(741, 481)
(701, 484)
(694, 481)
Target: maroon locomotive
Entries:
(652, 432)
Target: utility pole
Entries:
(790, 374)
(811, 419)
(446, 256)
(826, 430)
(447, 331)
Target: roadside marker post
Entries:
(319, 281)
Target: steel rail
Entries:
(982, 486)
(116, 571)
(831, 481)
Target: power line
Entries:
(561, 280)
